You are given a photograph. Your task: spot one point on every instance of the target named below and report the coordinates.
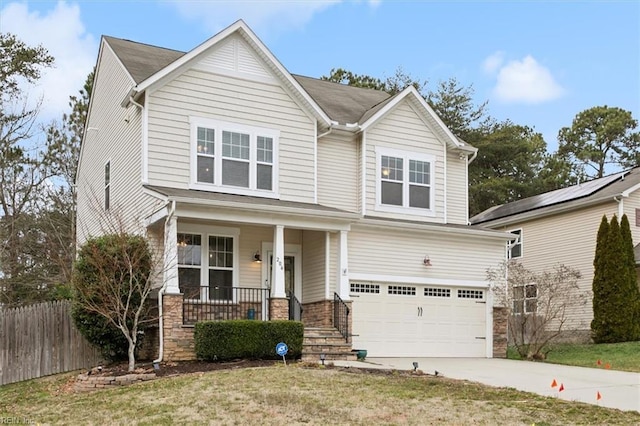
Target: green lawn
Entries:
(295, 395)
(618, 356)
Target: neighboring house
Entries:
(560, 227)
(231, 165)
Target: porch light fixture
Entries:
(257, 258)
(322, 358)
(427, 261)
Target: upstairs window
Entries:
(234, 158)
(107, 185)
(514, 247)
(405, 182)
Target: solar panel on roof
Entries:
(546, 199)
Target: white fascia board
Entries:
(243, 29)
(628, 192)
(156, 216)
(432, 228)
(417, 280)
(546, 211)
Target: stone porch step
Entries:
(327, 341)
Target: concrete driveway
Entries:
(618, 389)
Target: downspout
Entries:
(473, 157)
(161, 292)
(325, 133)
(135, 103)
(618, 199)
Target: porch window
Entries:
(189, 264)
(220, 268)
(234, 158)
(405, 182)
(525, 299)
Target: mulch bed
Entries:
(179, 368)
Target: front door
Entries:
(292, 268)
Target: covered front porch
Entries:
(244, 263)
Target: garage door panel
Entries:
(420, 324)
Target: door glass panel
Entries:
(289, 273)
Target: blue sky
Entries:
(537, 63)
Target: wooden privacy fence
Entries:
(39, 340)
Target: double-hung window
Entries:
(525, 299)
(206, 266)
(405, 182)
(234, 158)
(514, 248)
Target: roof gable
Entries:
(428, 114)
(158, 71)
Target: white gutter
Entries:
(160, 293)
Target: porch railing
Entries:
(295, 308)
(211, 303)
(341, 316)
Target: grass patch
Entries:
(293, 395)
(619, 356)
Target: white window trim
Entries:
(214, 231)
(406, 156)
(524, 299)
(219, 126)
(519, 240)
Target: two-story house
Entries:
(277, 196)
(560, 227)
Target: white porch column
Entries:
(170, 273)
(277, 272)
(343, 267)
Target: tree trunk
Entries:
(131, 352)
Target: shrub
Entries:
(111, 283)
(225, 340)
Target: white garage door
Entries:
(397, 320)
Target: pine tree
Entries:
(598, 323)
(631, 276)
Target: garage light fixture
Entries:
(427, 261)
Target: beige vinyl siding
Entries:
(313, 266)
(630, 205)
(403, 129)
(110, 137)
(456, 189)
(568, 239)
(338, 171)
(203, 94)
(401, 253)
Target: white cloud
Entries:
(264, 17)
(524, 81)
(62, 33)
(493, 62)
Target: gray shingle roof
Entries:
(608, 186)
(249, 201)
(142, 60)
(342, 103)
